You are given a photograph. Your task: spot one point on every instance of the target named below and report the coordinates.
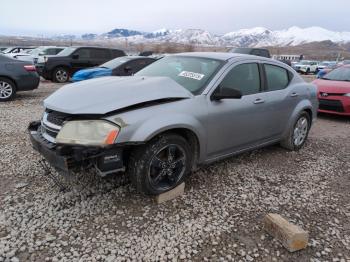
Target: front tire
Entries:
(60, 75)
(7, 89)
(161, 164)
(298, 134)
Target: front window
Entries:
(193, 73)
(243, 77)
(339, 74)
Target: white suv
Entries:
(306, 67)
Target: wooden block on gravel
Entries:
(171, 194)
(291, 236)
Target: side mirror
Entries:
(226, 93)
(76, 56)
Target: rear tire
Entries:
(7, 89)
(160, 165)
(298, 134)
(60, 75)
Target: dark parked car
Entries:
(252, 51)
(16, 76)
(60, 67)
(120, 66)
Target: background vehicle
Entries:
(252, 51)
(121, 66)
(2, 48)
(16, 76)
(306, 67)
(326, 64)
(59, 68)
(327, 69)
(180, 111)
(17, 49)
(334, 91)
(34, 54)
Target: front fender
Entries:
(159, 124)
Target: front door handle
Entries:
(259, 101)
(294, 94)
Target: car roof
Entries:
(220, 55)
(99, 47)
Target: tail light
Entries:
(30, 68)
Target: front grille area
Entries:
(51, 124)
(331, 105)
(56, 118)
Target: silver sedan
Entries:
(181, 111)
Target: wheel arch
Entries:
(190, 136)
(304, 105)
(11, 79)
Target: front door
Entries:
(236, 124)
(80, 59)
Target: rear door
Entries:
(280, 99)
(99, 56)
(80, 59)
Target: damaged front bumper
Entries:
(68, 158)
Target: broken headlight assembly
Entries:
(88, 132)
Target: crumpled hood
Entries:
(103, 95)
(91, 73)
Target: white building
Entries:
(287, 57)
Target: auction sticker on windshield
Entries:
(191, 75)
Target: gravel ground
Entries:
(218, 218)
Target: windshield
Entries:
(305, 62)
(339, 74)
(67, 51)
(7, 50)
(191, 72)
(115, 62)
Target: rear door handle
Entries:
(259, 101)
(294, 95)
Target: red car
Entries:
(334, 91)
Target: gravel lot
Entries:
(218, 218)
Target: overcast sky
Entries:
(47, 17)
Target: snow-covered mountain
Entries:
(254, 37)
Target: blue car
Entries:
(121, 66)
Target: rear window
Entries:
(99, 53)
(277, 77)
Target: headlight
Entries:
(88, 132)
